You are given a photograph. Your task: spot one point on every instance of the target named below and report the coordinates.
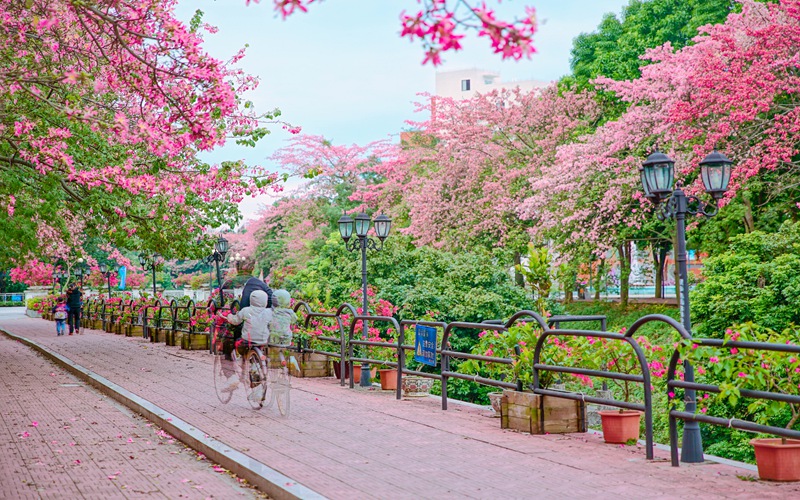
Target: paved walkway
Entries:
(62, 439)
(347, 443)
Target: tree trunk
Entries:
(624, 251)
(660, 253)
(749, 222)
(601, 268)
(519, 278)
(568, 298)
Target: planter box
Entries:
(173, 338)
(109, 328)
(158, 335)
(194, 341)
(134, 331)
(311, 365)
(522, 411)
(32, 314)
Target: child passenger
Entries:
(282, 319)
(255, 320)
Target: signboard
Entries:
(425, 345)
(123, 273)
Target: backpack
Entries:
(61, 313)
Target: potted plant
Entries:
(619, 426)
(523, 410)
(734, 369)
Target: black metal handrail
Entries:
(341, 341)
(735, 423)
(391, 345)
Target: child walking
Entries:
(60, 312)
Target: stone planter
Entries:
(535, 414)
(416, 387)
(777, 461)
(32, 314)
(620, 427)
(495, 398)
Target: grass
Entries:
(617, 317)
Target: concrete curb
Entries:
(266, 479)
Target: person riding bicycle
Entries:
(255, 320)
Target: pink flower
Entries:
(713, 359)
(742, 374)
(702, 410)
(671, 394)
(734, 351)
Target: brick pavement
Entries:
(62, 439)
(348, 443)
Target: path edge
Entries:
(263, 477)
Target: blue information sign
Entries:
(425, 345)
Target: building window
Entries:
(464, 85)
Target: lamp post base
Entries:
(366, 380)
(692, 446)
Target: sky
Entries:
(342, 71)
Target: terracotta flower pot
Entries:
(620, 427)
(388, 379)
(777, 461)
(357, 372)
(337, 369)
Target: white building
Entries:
(464, 84)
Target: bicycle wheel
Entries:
(282, 391)
(255, 379)
(225, 374)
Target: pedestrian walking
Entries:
(74, 302)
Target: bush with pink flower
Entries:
(735, 369)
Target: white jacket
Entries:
(256, 319)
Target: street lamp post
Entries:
(80, 271)
(151, 262)
(362, 222)
(105, 271)
(657, 175)
(220, 249)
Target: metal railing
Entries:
(735, 423)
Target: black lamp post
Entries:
(105, 271)
(151, 262)
(220, 249)
(657, 175)
(80, 271)
(362, 222)
(55, 280)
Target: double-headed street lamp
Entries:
(362, 222)
(105, 271)
(58, 277)
(80, 271)
(657, 175)
(220, 249)
(151, 262)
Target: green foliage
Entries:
(618, 317)
(613, 50)
(757, 279)
(537, 275)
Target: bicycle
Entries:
(224, 368)
(280, 379)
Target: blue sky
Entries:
(342, 71)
